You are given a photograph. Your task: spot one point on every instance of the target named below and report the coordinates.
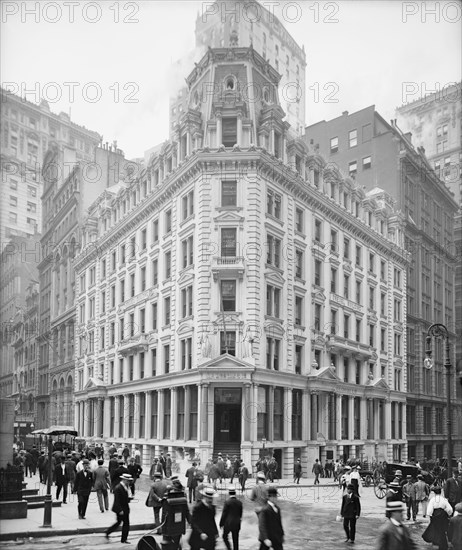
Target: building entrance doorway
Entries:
(227, 425)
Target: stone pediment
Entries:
(274, 277)
(326, 373)
(94, 383)
(274, 329)
(379, 383)
(229, 217)
(185, 277)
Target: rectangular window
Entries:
(299, 215)
(333, 321)
(142, 320)
(358, 330)
(298, 263)
(346, 248)
(228, 342)
(346, 286)
(352, 168)
(346, 326)
(371, 335)
(154, 315)
(274, 251)
(143, 239)
(333, 241)
(122, 290)
(188, 251)
(371, 297)
(317, 272)
(168, 221)
(273, 299)
(168, 265)
(383, 339)
(132, 285)
(371, 262)
(188, 205)
(272, 353)
(298, 310)
(367, 163)
(166, 359)
(103, 302)
(333, 280)
(382, 269)
(228, 295)
(167, 311)
(229, 242)
(317, 230)
(273, 204)
(186, 353)
(358, 292)
(298, 359)
(187, 301)
(155, 231)
(229, 131)
(353, 138)
(228, 193)
(334, 144)
(155, 272)
(317, 317)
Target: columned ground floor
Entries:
(230, 407)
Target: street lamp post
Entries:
(440, 331)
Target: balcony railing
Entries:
(228, 266)
(133, 344)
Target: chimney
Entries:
(345, 113)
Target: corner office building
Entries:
(228, 296)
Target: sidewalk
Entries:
(65, 518)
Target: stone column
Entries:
(136, 420)
(376, 418)
(200, 413)
(303, 174)
(387, 419)
(87, 428)
(287, 414)
(363, 418)
(116, 415)
(338, 430)
(271, 414)
(147, 415)
(107, 417)
(100, 417)
(160, 415)
(82, 418)
(77, 416)
(314, 417)
(219, 131)
(174, 413)
(125, 404)
(351, 418)
(284, 148)
(188, 142)
(271, 143)
(254, 415)
(239, 129)
(246, 408)
(306, 415)
(136, 366)
(187, 411)
(205, 412)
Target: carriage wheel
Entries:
(367, 481)
(380, 488)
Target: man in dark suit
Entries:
(204, 529)
(394, 535)
(121, 507)
(192, 481)
(82, 486)
(231, 520)
(135, 471)
(116, 475)
(155, 496)
(271, 533)
(350, 512)
(62, 480)
(452, 490)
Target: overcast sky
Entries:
(358, 53)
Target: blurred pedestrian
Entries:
(71, 471)
(121, 507)
(297, 471)
(230, 520)
(155, 467)
(168, 465)
(394, 535)
(155, 496)
(453, 489)
(259, 493)
(125, 453)
(204, 528)
(408, 495)
(191, 481)
(455, 528)
(270, 530)
(350, 512)
(243, 476)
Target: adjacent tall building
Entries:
(214, 317)
(375, 153)
(70, 186)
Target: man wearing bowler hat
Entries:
(408, 495)
(270, 531)
(231, 520)
(121, 507)
(204, 529)
(394, 535)
(350, 512)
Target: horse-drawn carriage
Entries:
(386, 474)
